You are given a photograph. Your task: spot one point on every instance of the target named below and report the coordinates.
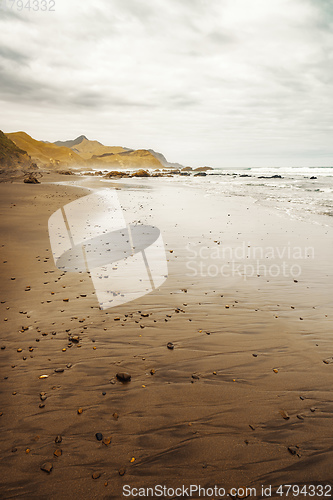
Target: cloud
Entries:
(232, 77)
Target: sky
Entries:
(225, 83)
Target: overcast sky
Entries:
(206, 82)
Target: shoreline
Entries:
(190, 423)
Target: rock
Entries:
(69, 365)
(96, 475)
(252, 427)
(41, 405)
(294, 450)
(80, 410)
(170, 345)
(43, 396)
(121, 471)
(43, 376)
(195, 377)
(145, 315)
(58, 439)
(107, 440)
(275, 370)
(47, 467)
(141, 173)
(31, 179)
(99, 436)
(313, 409)
(123, 376)
(59, 370)
(152, 371)
(284, 414)
(300, 417)
(115, 416)
(57, 453)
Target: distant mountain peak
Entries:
(71, 143)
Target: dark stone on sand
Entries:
(59, 370)
(255, 355)
(107, 440)
(313, 409)
(57, 453)
(300, 417)
(99, 436)
(58, 439)
(115, 416)
(47, 467)
(31, 179)
(41, 405)
(252, 427)
(195, 377)
(123, 376)
(313, 177)
(43, 397)
(96, 475)
(69, 365)
(293, 450)
(122, 471)
(302, 398)
(170, 345)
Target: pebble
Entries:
(152, 371)
(170, 345)
(300, 417)
(79, 411)
(47, 467)
(43, 376)
(121, 471)
(58, 439)
(115, 416)
(313, 409)
(99, 436)
(96, 475)
(69, 365)
(123, 376)
(195, 377)
(59, 370)
(57, 453)
(43, 396)
(293, 450)
(275, 370)
(284, 414)
(107, 440)
(41, 405)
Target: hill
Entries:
(46, 154)
(141, 158)
(13, 160)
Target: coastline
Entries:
(180, 429)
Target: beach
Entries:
(242, 400)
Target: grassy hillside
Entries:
(87, 149)
(140, 158)
(46, 154)
(13, 160)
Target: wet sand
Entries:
(212, 413)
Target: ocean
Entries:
(305, 193)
